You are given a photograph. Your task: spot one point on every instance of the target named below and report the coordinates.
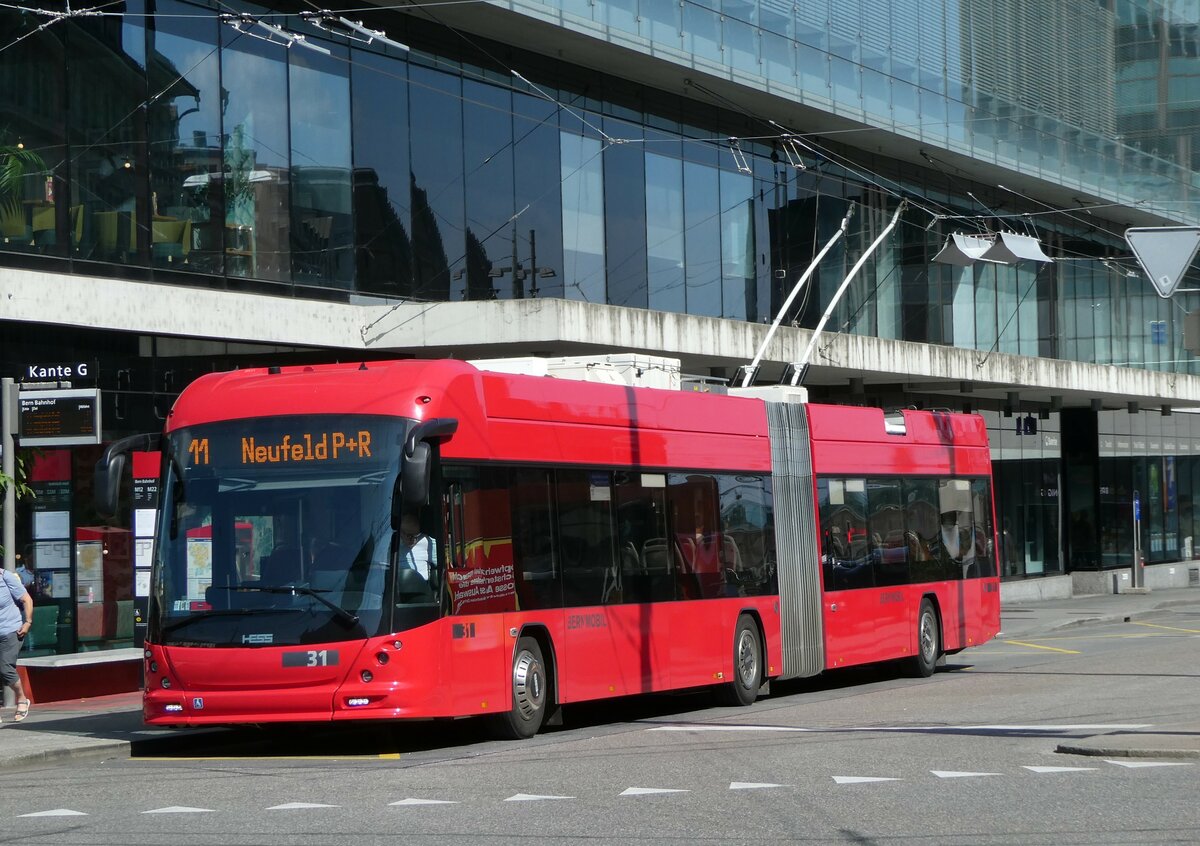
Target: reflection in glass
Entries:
(625, 216)
(34, 210)
(702, 241)
(739, 286)
(812, 65)
(492, 269)
(702, 29)
(665, 233)
(778, 58)
(582, 218)
(382, 217)
(256, 158)
(539, 226)
(184, 126)
(435, 103)
(741, 40)
(108, 177)
(621, 15)
(322, 230)
(662, 21)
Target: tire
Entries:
(929, 640)
(747, 679)
(529, 694)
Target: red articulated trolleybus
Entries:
(582, 541)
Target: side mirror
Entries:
(412, 487)
(111, 468)
(107, 484)
(417, 469)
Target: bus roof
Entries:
(502, 416)
(545, 419)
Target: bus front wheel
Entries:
(928, 641)
(747, 665)
(528, 694)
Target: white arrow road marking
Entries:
(646, 791)
(1134, 765)
(953, 774)
(57, 812)
(411, 801)
(752, 785)
(1059, 769)
(731, 728)
(860, 779)
(179, 809)
(926, 729)
(533, 797)
(295, 806)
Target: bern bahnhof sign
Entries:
(58, 417)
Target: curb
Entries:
(1106, 618)
(1125, 752)
(104, 749)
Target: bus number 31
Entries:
(311, 658)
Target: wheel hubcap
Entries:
(529, 687)
(927, 639)
(747, 659)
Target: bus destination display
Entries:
(300, 448)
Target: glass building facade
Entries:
(187, 144)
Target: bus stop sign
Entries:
(1165, 253)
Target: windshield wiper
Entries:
(304, 590)
(220, 612)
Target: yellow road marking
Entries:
(1006, 652)
(1139, 635)
(381, 756)
(1168, 628)
(1037, 646)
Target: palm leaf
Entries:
(15, 164)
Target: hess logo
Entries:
(258, 638)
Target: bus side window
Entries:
(845, 547)
(538, 576)
(643, 570)
(745, 523)
(888, 549)
(585, 535)
(482, 580)
(985, 534)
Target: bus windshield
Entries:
(278, 531)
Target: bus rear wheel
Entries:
(529, 685)
(924, 662)
(747, 665)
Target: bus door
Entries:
(480, 587)
(602, 638)
(850, 603)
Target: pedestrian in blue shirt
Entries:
(16, 617)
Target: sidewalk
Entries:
(1029, 620)
(57, 732)
(105, 726)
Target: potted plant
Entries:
(16, 163)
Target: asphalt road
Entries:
(864, 757)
